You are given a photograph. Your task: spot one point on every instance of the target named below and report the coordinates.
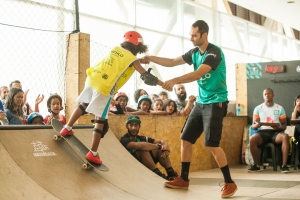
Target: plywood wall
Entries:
(78, 60)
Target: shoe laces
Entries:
(224, 185)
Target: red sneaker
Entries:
(178, 183)
(228, 189)
(94, 159)
(64, 132)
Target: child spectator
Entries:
(120, 105)
(163, 95)
(137, 94)
(154, 96)
(35, 118)
(157, 104)
(13, 107)
(144, 104)
(54, 105)
(170, 107)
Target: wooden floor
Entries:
(34, 166)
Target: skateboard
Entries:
(77, 146)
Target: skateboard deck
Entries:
(77, 146)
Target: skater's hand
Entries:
(168, 85)
(145, 60)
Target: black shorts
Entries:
(152, 156)
(268, 136)
(207, 118)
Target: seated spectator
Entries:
(157, 104)
(296, 115)
(184, 106)
(35, 118)
(54, 105)
(154, 96)
(13, 107)
(25, 106)
(147, 150)
(120, 105)
(163, 95)
(138, 93)
(269, 112)
(3, 94)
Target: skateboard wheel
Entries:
(55, 137)
(84, 166)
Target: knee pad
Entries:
(82, 108)
(105, 127)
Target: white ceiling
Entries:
(279, 10)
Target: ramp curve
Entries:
(37, 167)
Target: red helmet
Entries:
(120, 94)
(133, 37)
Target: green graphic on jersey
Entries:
(253, 71)
(276, 112)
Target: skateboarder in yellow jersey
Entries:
(103, 81)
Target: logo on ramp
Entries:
(40, 149)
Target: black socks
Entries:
(185, 168)
(156, 171)
(226, 174)
(170, 172)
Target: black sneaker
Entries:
(254, 168)
(285, 169)
(164, 176)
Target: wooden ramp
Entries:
(34, 166)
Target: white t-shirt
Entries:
(271, 114)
